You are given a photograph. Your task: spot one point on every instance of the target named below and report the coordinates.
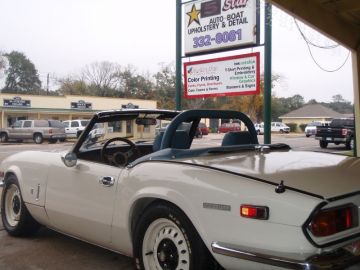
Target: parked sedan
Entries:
(226, 127)
(204, 129)
(239, 205)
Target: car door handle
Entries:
(107, 181)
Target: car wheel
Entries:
(166, 239)
(281, 131)
(307, 135)
(3, 137)
(38, 138)
(350, 144)
(323, 144)
(62, 140)
(258, 132)
(16, 218)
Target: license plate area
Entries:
(354, 248)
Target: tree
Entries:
(2, 61)
(165, 87)
(340, 105)
(22, 76)
(101, 78)
(73, 86)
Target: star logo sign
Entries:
(194, 15)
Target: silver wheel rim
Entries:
(13, 205)
(37, 139)
(165, 247)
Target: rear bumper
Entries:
(338, 259)
(330, 139)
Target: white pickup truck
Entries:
(37, 130)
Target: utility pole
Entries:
(47, 84)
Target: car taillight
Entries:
(50, 131)
(330, 221)
(344, 131)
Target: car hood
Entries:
(321, 174)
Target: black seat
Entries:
(236, 138)
(181, 140)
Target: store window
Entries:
(116, 126)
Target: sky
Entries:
(62, 36)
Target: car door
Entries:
(80, 199)
(26, 131)
(15, 130)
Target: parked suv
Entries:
(37, 130)
(279, 127)
(73, 128)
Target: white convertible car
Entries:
(171, 204)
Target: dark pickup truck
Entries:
(340, 130)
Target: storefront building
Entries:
(22, 107)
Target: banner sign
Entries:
(226, 76)
(81, 105)
(216, 25)
(17, 102)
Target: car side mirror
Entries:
(69, 159)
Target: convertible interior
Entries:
(123, 138)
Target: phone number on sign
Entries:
(219, 38)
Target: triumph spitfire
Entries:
(172, 203)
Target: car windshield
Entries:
(140, 129)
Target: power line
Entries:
(308, 43)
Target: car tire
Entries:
(38, 138)
(323, 144)
(15, 217)
(308, 135)
(62, 140)
(165, 238)
(281, 131)
(3, 137)
(350, 144)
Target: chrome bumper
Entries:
(338, 259)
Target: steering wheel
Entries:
(119, 158)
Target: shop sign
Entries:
(17, 102)
(129, 106)
(81, 105)
(226, 76)
(218, 25)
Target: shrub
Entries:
(292, 126)
(302, 127)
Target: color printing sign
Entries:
(216, 25)
(226, 76)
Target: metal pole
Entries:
(267, 74)
(178, 56)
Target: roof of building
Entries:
(311, 111)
